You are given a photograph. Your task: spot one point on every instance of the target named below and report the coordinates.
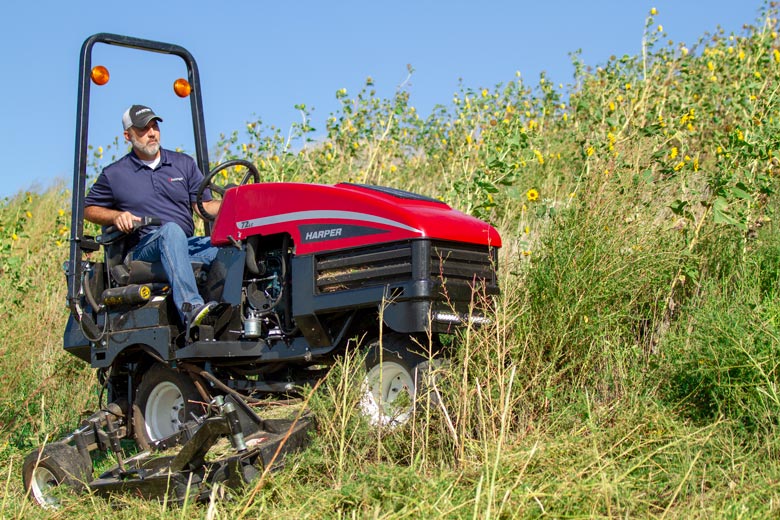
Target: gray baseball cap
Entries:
(138, 116)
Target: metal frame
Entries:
(74, 265)
(258, 445)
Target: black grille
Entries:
(451, 264)
(456, 263)
(364, 267)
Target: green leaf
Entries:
(495, 163)
(650, 130)
(740, 191)
(678, 207)
(721, 217)
(720, 204)
(720, 214)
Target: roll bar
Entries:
(74, 267)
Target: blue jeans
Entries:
(170, 246)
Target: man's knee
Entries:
(172, 232)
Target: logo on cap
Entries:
(138, 116)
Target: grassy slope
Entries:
(632, 366)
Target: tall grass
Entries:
(631, 366)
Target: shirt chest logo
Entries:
(176, 179)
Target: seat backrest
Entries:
(117, 249)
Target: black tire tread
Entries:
(63, 461)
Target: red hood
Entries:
(324, 217)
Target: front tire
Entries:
(164, 401)
(54, 465)
(396, 379)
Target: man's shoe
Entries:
(199, 313)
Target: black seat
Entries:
(137, 272)
(123, 271)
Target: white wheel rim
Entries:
(43, 481)
(164, 414)
(383, 385)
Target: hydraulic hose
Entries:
(88, 292)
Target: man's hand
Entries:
(123, 220)
(212, 206)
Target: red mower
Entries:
(304, 272)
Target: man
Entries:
(152, 181)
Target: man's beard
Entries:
(149, 149)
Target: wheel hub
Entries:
(43, 482)
(164, 412)
(388, 394)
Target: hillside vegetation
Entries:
(632, 366)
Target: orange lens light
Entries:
(100, 75)
(182, 87)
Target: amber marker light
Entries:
(182, 87)
(99, 75)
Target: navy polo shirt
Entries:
(166, 192)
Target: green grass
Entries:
(632, 366)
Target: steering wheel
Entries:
(208, 182)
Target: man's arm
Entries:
(212, 206)
(123, 220)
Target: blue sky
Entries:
(258, 59)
